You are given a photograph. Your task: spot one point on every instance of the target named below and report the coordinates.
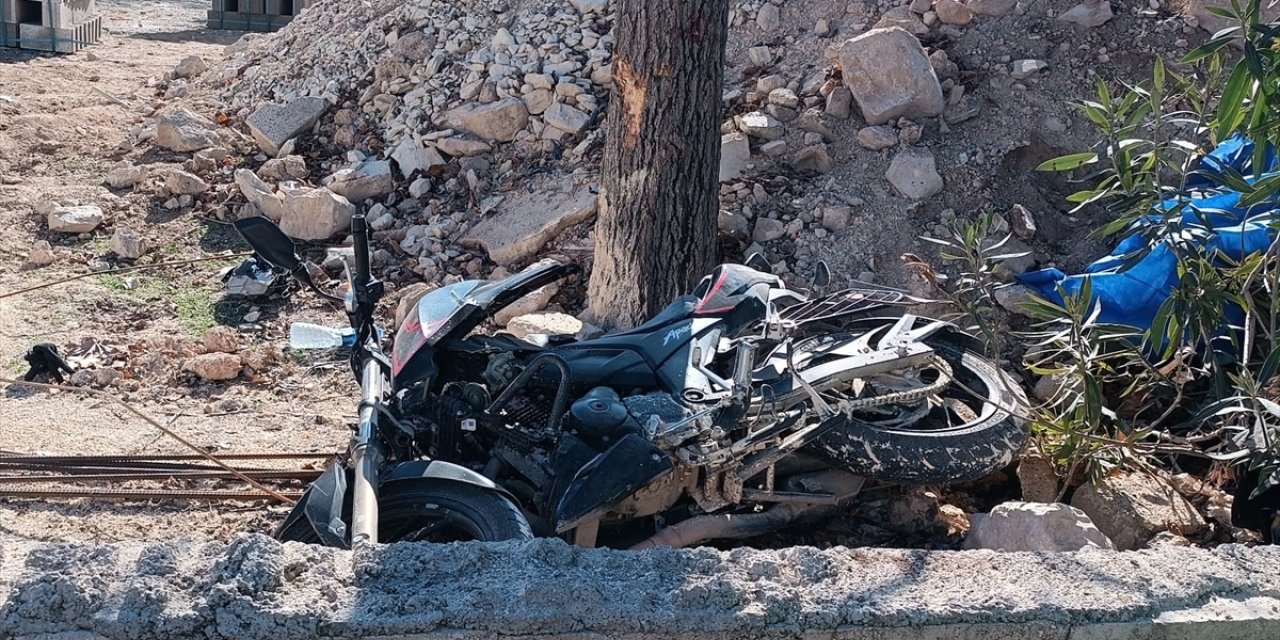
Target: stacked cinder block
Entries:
(64, 26)
(254, 15)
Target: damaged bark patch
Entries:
(634, 92)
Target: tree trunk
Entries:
(656, 232)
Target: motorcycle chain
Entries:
(912, 396)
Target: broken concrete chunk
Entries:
(128, 243)
(315, 214)
(272, 125)
(524, 222)
(914, 174)
(890, 76)
(184, 131)
(81, 219)
(498, 121)
(1034, 526)
(370, 179)
(735, 153)
(260, 194)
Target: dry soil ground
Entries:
(62, 127)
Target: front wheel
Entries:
(436, 512)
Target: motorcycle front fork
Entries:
(367, 455)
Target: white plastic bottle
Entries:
(304, 335)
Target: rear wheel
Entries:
(962, 433)
(436, 513)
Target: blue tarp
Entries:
(1132, 292)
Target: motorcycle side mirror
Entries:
(269, 242)
(821, 276)
(759, 263)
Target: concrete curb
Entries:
(257, 588)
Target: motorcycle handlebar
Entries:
(360, 237)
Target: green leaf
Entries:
(1254, 61)
(1205, 50)
(1223, 12)
(1231, 104)
(1068, 162)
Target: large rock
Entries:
(498, 121)
(184, 131)
(551, 324)
(1034, 526)
(315, 214)
(272, 125)
(81, 219)
(1132, 508)
(190, 67)
(735, 153)
(534, 302)
(128, 243)
(366, 180)
(914, 173)
(260, 194)
(526, 221)
(890, 76)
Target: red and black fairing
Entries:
(453, 312)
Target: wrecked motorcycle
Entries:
(739, 409)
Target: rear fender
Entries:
(326, 504)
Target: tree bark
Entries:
(656, 232)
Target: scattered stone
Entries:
(835, 218)
(565, 118)
(591, 6)
(183, 131)
(260, 194)
(814, 158)
(914, 174)
(551, 324)
(774, 148)
(1034, 526)
(272, 125)
(1088, 14)
(1131, 508)
(877, 137)
(125, 177)
(315, 214)
(190, 67)
(1022, 223)
(498, 121)
(412, 158)
(953, 12)
(784, 97)
(769, 18)
(890, 76)
(760, 56)
(1038, 478)
(370, 179)
(530, 304)
(767, 230)
(838, 102)
(734, 225)
(183, 183)
(735, 153)
(538, 100)
(920, 7)
(221, 339)
(462, 147)
(1023, 69)
(79, 219)
(903, 18)
(128, 243)
(409, 298)
(992, 8)
(286, 168)
(823, 28)
(214, 366)
(524, 222)
(760, 125)
(41, 254)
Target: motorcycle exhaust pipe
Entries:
(366, 458)
(841, 484)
